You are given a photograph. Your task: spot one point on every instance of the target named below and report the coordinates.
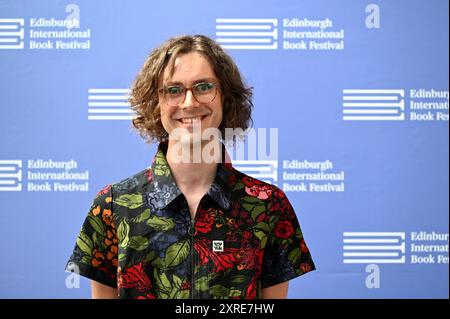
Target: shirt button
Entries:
(192, 231)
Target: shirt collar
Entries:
(165, 189)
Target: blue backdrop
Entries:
(357, 87)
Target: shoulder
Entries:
(130, 184)
(255, 187)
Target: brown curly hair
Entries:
(237, 103)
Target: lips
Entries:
(190, 120)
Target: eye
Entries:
(174, 90)
(204, 87)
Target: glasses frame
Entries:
(163, 89)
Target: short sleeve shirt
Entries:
(140, 238)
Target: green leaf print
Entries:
(160, 223)
(202, 283)
(235, 293)
(141, 217)
(257, 210)
(177, 281)
(98, 241)
(130, 201)
(122, 231)
(252, 200)
(263, 227)
(85, 243)
(86, 259)
(138, 243)
(294, 254)
(177, 253)
(150, 257)
(163, 168)
(162, 281)
(122, 257)
(239, 185)
(96, 224)
(262, 236)
(239, 279)
(219, 291)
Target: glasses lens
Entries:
(174, 95)
(204, 92)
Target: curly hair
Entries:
(237, 99)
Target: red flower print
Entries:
(134, 277)
(252, 288)
(205, 222)
(185, 285)
(284, 229)
(149, 175)
(104, 190)
(221, 260)
(147, 296)
(305, 267)
(276, 206)
(246, 235)
(303, 247)
(261, 192)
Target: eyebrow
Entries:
(193, 83)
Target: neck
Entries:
(194, 166)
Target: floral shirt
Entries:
(139, 237)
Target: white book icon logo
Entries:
(109, 104)
(10, 175)
(374, 247)
(373, 105)
(266, 171)
(11, 33)
(247, 34)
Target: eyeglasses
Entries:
(203, 92)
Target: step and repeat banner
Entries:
(353, 94)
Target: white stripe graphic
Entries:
(251, 47)
(108, 97)
(106, 117)
(110, 111)
(243, 27)
(259, 169)
(374, 91)
(9, 175)
(400, 104)
(109, 104)
(370, 111)
(375, 98)
(19, 21)
(401, 117)
(346, 254)
(375, 261)
(109, 90)
(375, 234)
(373, 244)
(371, 241)
(242, 40)
(13, 30)
(364, 107)
(225, 20)
(247, 34)
(101, 104)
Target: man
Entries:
(191, 226)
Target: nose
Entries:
(189, 100)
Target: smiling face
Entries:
(190, 70)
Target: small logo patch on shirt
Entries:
(217, 245)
